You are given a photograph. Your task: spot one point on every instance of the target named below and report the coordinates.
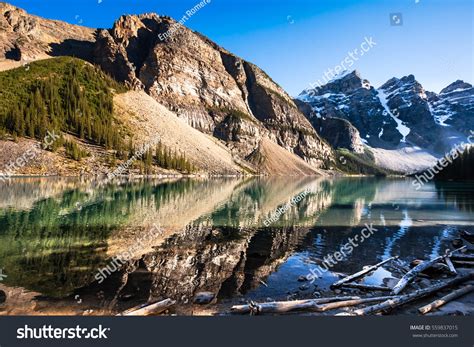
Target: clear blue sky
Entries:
(296, 41)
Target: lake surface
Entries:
(175, 238)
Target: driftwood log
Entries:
(434, 269)
(447, 298)
(348, 303)
(411, 275)
(366, 287)
(450, 264)
(361, 273)
(403, 299)
(149, 309)
(312, 305)
(287, 306)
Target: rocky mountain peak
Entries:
(346, 82)
(399, 113)
(25, 37)
(406, 84)
(459, 85)
(16, 20)
(211, 89)
(128, 26)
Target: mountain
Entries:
(211, 89)
(454, 106)
(397, 116)
(223, 113)
(25, 37)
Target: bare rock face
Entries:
(340, 133)
(207, 86)
(26, 37)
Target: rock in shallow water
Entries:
(203, 298)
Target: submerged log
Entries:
(287, 306)
(411, 275)
(361, 273)
(445, 299)
(149, 309)
(418, 294)
(365, 287)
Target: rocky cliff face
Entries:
(399, 113)
(207, 86)
(24, 37)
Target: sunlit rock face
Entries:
(26, 37)
(207, 86)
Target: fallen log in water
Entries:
(365, 287)
(434, 269)
(287, 306)
(447, 298)
(149, 309)
(348, 303)
(361, 273)
(450, 264)
(403, 299)
(411, 275)
(313, 305)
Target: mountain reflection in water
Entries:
(57, 233)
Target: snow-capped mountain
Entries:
(398, 114)
(454, 106)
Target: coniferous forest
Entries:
(462, 168)
(67, 95)
(74, 98)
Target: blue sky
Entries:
(296, 41)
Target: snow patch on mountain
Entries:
(402, 129)
(406, 159)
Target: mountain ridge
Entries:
(202, 84)
(400, 112)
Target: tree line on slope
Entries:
(461, 168)
(68, 95)
(63, 103)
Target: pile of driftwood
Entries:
(381, 304)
